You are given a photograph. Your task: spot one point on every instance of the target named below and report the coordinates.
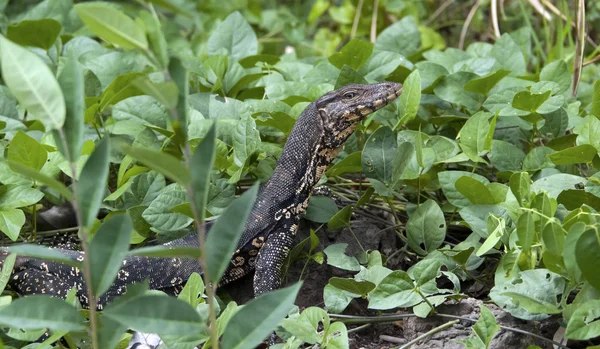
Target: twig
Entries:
(374, 21)
(557, 12)
(359, 328)
(494, 15)
(593, 60)
(468, 20)
(392, 339)
(356, 18)
(429, 333)
(439, 11)
(579, 46)
(540, 9)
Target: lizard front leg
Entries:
(272, 255)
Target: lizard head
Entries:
(341, 110)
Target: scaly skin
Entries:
(269, 232)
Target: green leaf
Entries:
(426, 228)
(11, 222)
(340, 219)
(354, 54)
(496, 228)
(475, 191)
(484, 84)
(92, 183)
(583, 324)
(587, 254)
(558, 72)
(43, 252)
(349, 76)
(7, 269)
(575, 198)
(486, 327)
(451, 89)
(395, 291)
(246, 139)
(41, 178)
(447, 182)
(532, 305)
(201, 165)
(255, 321)
(234, 37)
(194, 288)
(335, 299)
(320, 209)
(14, 196)
(596, 100)
(164, 92)
(379, 154)
(525, 100)
(526, 229)
(576, 155)
(588, 132)
(505, 156)
(410, 98)
(33, 84)
(27, 151)
(35, 312)
(474, 135)
(161, 162)
(226, 232)
(166, 252)
(107, 251)
(361, 288)
(336, 257)
(157, 41)
(40, 33)
(509, 55)
(349, 164)
(520, 185)
(152, 313)
(122, 87)
(112, 25)
(72, 83)
(159, 214)
(402, 37)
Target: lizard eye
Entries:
(350, 95)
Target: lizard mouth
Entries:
(389, 94)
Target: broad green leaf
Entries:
(335, 299)
(14, 196)
(122, 87)
(40, 178)
(234, 37)
(40, 33)
(226, 232)
(587, 254)
(246, 139)
(451, 90)
(533, 305)
(505, 156)
(509, 55)
(473, 136)
(395, 291)
(402, 37)
(556, 123)
(112, 25)
(520, 185)
(159, 214)
(426, 228)
(588, 132)
(164, 92)
(72, 83)
(526, 229)
(553, 237)
(336, 257)
(596, 100)
(92, 183)
(577, 155)
(484, 84)
(110, 332)
(181, 76)
(486, 327)
(496, 228)
(354, 54)
(475, 191)
(156, 37)
(320, 209)
(528, 101)
(11, 222)
(107, 251)
(37, 311)
(404, 155)
(161, 162)
(349, 76)
(349, 164)
(558, 72)
(194, 288)
(425, 271)
(33, 84)
(152, 313)
(361, 288)
(27, 151)
(340, 219)
(447, 182)
(583, 324)
(7, 269)
(201, 165)
(410, 98)
(378, 155)
(253, 323)
(43, 252)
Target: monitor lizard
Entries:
(269, 232)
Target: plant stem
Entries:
(87, 269)
(429, 333)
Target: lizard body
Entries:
(269, 232)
